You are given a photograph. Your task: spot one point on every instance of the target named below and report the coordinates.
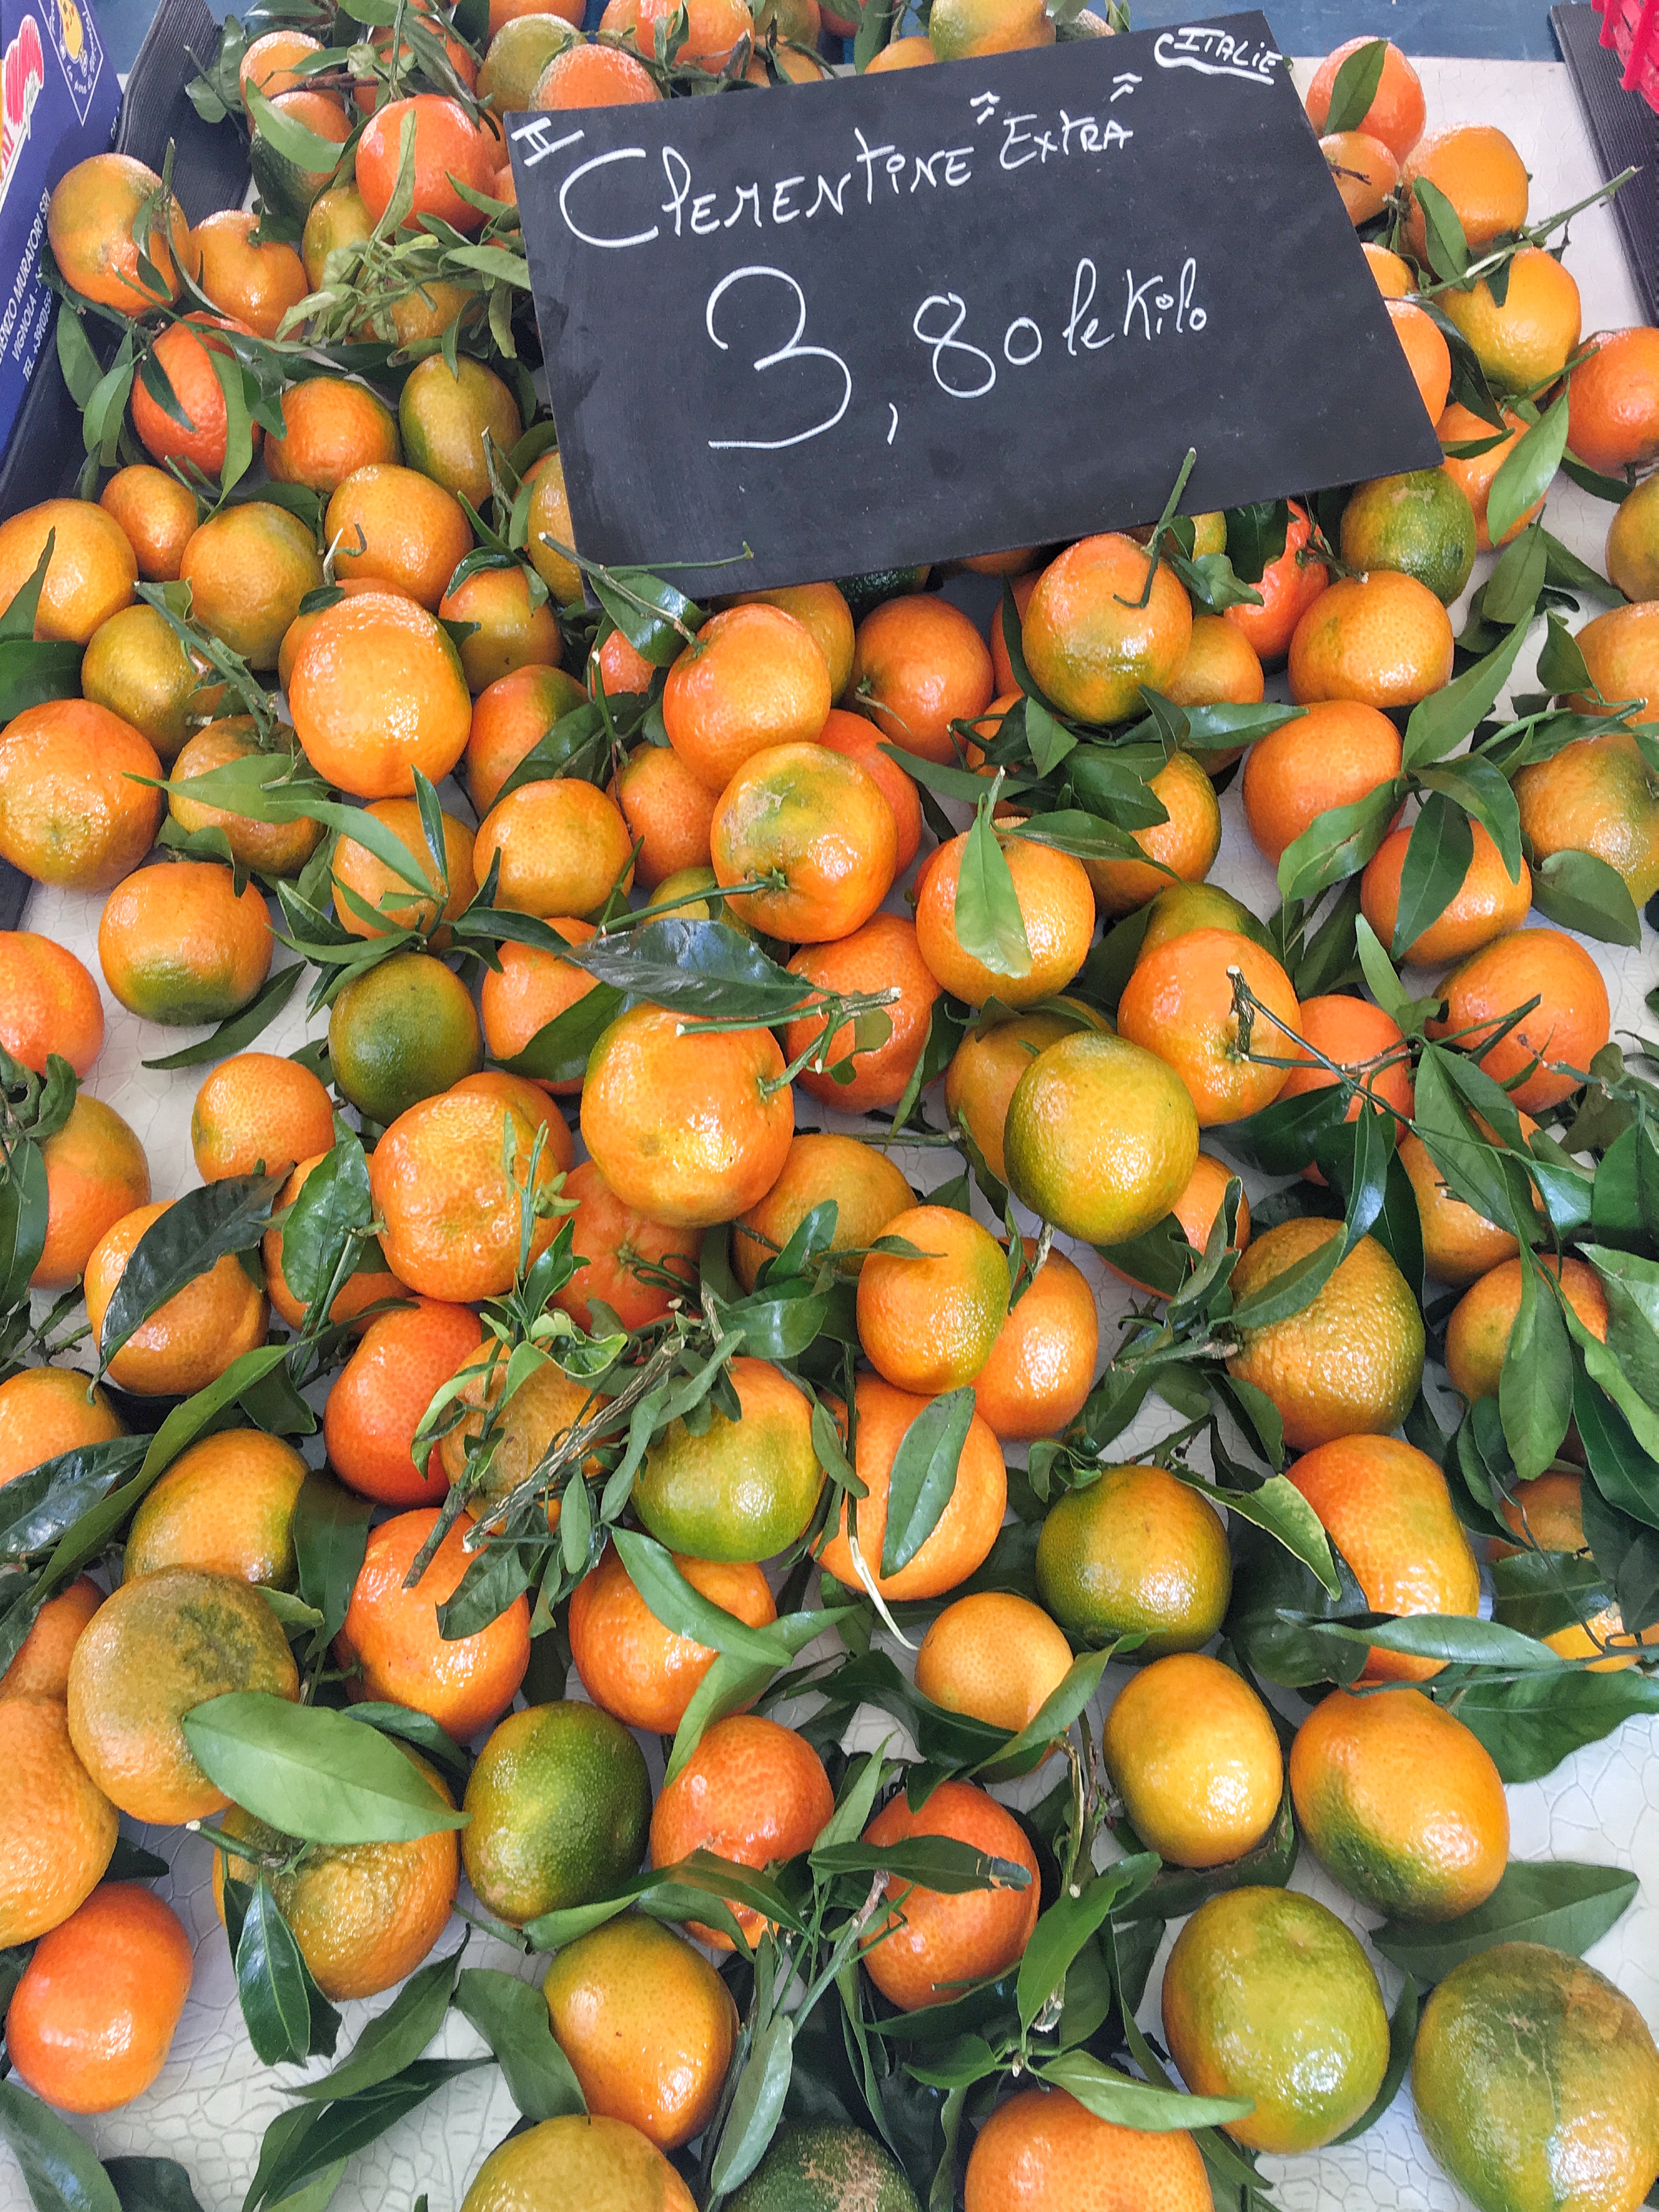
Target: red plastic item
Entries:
(1631, 29)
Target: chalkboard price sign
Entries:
(915, 316)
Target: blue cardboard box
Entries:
(58, 102)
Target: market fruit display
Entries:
(770, 1390)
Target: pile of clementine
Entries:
(536, 1183)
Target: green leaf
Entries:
(102, 415)
(560, 1050)
(1353, 91)
(131, 1862)
(38, 1507)
(312, 1772)
(1279, 1507)
(195, 1231)
(1127, 2103)
(331, 1536)
(291, 139)
(1337, 843)
(686, 1612)
(1528, 471)
(1402, 2034)
(271, 1981)
(1288, 1293)
(393, 2038)
(330, 2133)
(513, 2019)
(940, 1863)
(239, 424)
(1383, 981)
(1070, 1923)
(1511, 592)
(856, 1801)
(82, 371)
(152, 2185)
(1438, 856)
(1578, 891)
(1631, 1285)
(1064, 1704)
(1535, 1384)
(1256, 533)
(696, 1888)
(1561, 668)
(757, 2104)
(1622, 1461)
(1468, 1166)
(1443, 234)
(695, 968)
(652, 614)
(1459, 1640)
(420, 1729)
(1440, 723)
(59, 2169)
(24, 1213)
(1556, 1902)
(989, 925)
(1530, 1724)
(732, 1684)
(1049, 740)
(32, 672)
(923, 1479)
(331, 1213)
(1482, 790)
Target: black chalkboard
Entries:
(947, 311)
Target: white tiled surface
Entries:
(213, 2101)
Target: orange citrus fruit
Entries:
(1552, 1046)
(1401, 1803)
(642, 1673)
(1485, 905)
(752, 1792)
(860, 1182)
(688, 1126)
(92, 2019)
(884, 953)
(959, 1540)
(391, 1636)
(154, 1649)
(648, 2025)
(1090, 651)
(1269, 1998)
(1179, 1004)
(226, 1503)
(96, 1171)
(377, 692)
(193, 1336)
(928, 1945)
(1347, 1363)
(1042, 1363)
(1387, 1509)
(741, 1490)
(995, 1656)
(1396, 112)
(58, 1829)
(752, 677)
(44, 1410)
(919, 665)
(1192, 1752)
(449, 1202)
(1042, 2149)
(1135, 1551)
(1383, 639)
